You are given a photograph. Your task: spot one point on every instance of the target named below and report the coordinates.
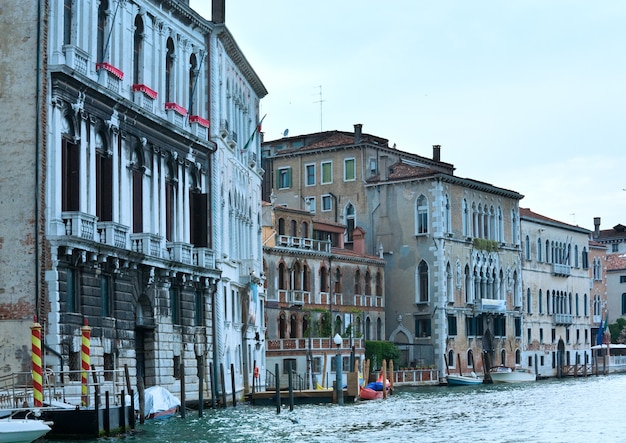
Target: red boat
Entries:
(373, 390)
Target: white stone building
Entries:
(558, 309)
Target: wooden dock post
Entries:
(290, 388)
(183, 411)
(277, 378)
(107, 414)
(223, 385)
(391, 378)
(142, 400)
(200, 386)
(384, 377)
(213, 388)
(232, 383)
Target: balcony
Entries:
(563, 319)
(175, 113)
(146, 243)
(563, 270)
(224, 128)
(490, 305)
(180, 252)
(76, 59)
(199, 126)
(109, 76)
(313, 344)
(204, 258)
(303, 243)
(79, 224)
(144, 97)
(113, 234)
(231, 139)
(297, 297)
(252, 159)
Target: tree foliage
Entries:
(376, 351)
(618, 331)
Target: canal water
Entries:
(591, 409)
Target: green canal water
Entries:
(591, 409)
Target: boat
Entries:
(373, 390)
(504, 374)
(159, 403)
(22, 430)
(463, 380)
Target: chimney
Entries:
(596, 226)
(437, 153)
(357, 133)
(218, 14)
(358, 241)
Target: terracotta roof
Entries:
(618, 232)
(351, 253)
(615, 262)
(334, 139)
(526, 212)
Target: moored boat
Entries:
(373, 390)
(22, 430)
(463, 380)
(504, 374)
(159, 403)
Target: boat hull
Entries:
(22, 431)
(463, 380)
(370, 394)
(513, 377)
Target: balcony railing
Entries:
(180, 252)
(199, 126)
(298, 297)
(204, 258)
(558, 269)
(144, 96)
(305, 344)
(303, 243)
(175, 113)
(109, 76)
(146, 243)
(79, 224)
(76, 58)
(490, 305)
(563, 319)
(113, 234)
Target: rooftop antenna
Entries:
(320, 101)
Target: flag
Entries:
(600, 333)
(257, 129)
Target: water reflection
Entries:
(571, 410)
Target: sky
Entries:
(527, 95)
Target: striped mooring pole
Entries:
(36, 364)
(84, 356)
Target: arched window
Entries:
(449, 284)
(585, 259)
(585, 305)
(137, 191)
(306, 325)
(338, 325)
(421, 215)
(281, 226)
(305, 230)
(422, 282)
(451, 358)
(104, 180)
(447, 218)
(67, 22)
(193, 77)
(379, 284)
(293, 326)
(576, 255)
(138, 51)
(101, 36)
(306, 278)
(518, 357)
(379, 329)
(368, 329)
(337, 281)
(357, 282)
(368, 283)
(539, 250)
(527, 248)
(465, 219)
(293, 228)
(503, 357)
(282, 326)
(528, 301)
(470, 359)
(282, 276)
(324, 279)
(540, 302)
(468, 285)
(350, 221)
(169, 71)
(297, 276)
(170, 202)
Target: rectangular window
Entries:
(105, 295)
(422, 327)
(284, 178)
(327, 172)
(287, 362)
(349, 169)
(327, 203)
(137, 201)
(175, 305)
(529, 335)
(541, 335)
(317, 365)
(499, 326)
(310, 175)
(615, 247)
(72, 288)
(109, 366)
(622, 278)
(452, 325)
(553, 335)
(518, 327)
(104, 188)
(310, 204)
(70, 164)
(198, 216)
(373, 166)
(199, 308)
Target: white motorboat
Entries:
(504, 374)
(22, 430)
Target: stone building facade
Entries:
(128, 187)
(316, 289)
(560, 303)
(451, 245)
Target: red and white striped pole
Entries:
(36, 364)
(84, 356)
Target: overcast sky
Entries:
(526, 95)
